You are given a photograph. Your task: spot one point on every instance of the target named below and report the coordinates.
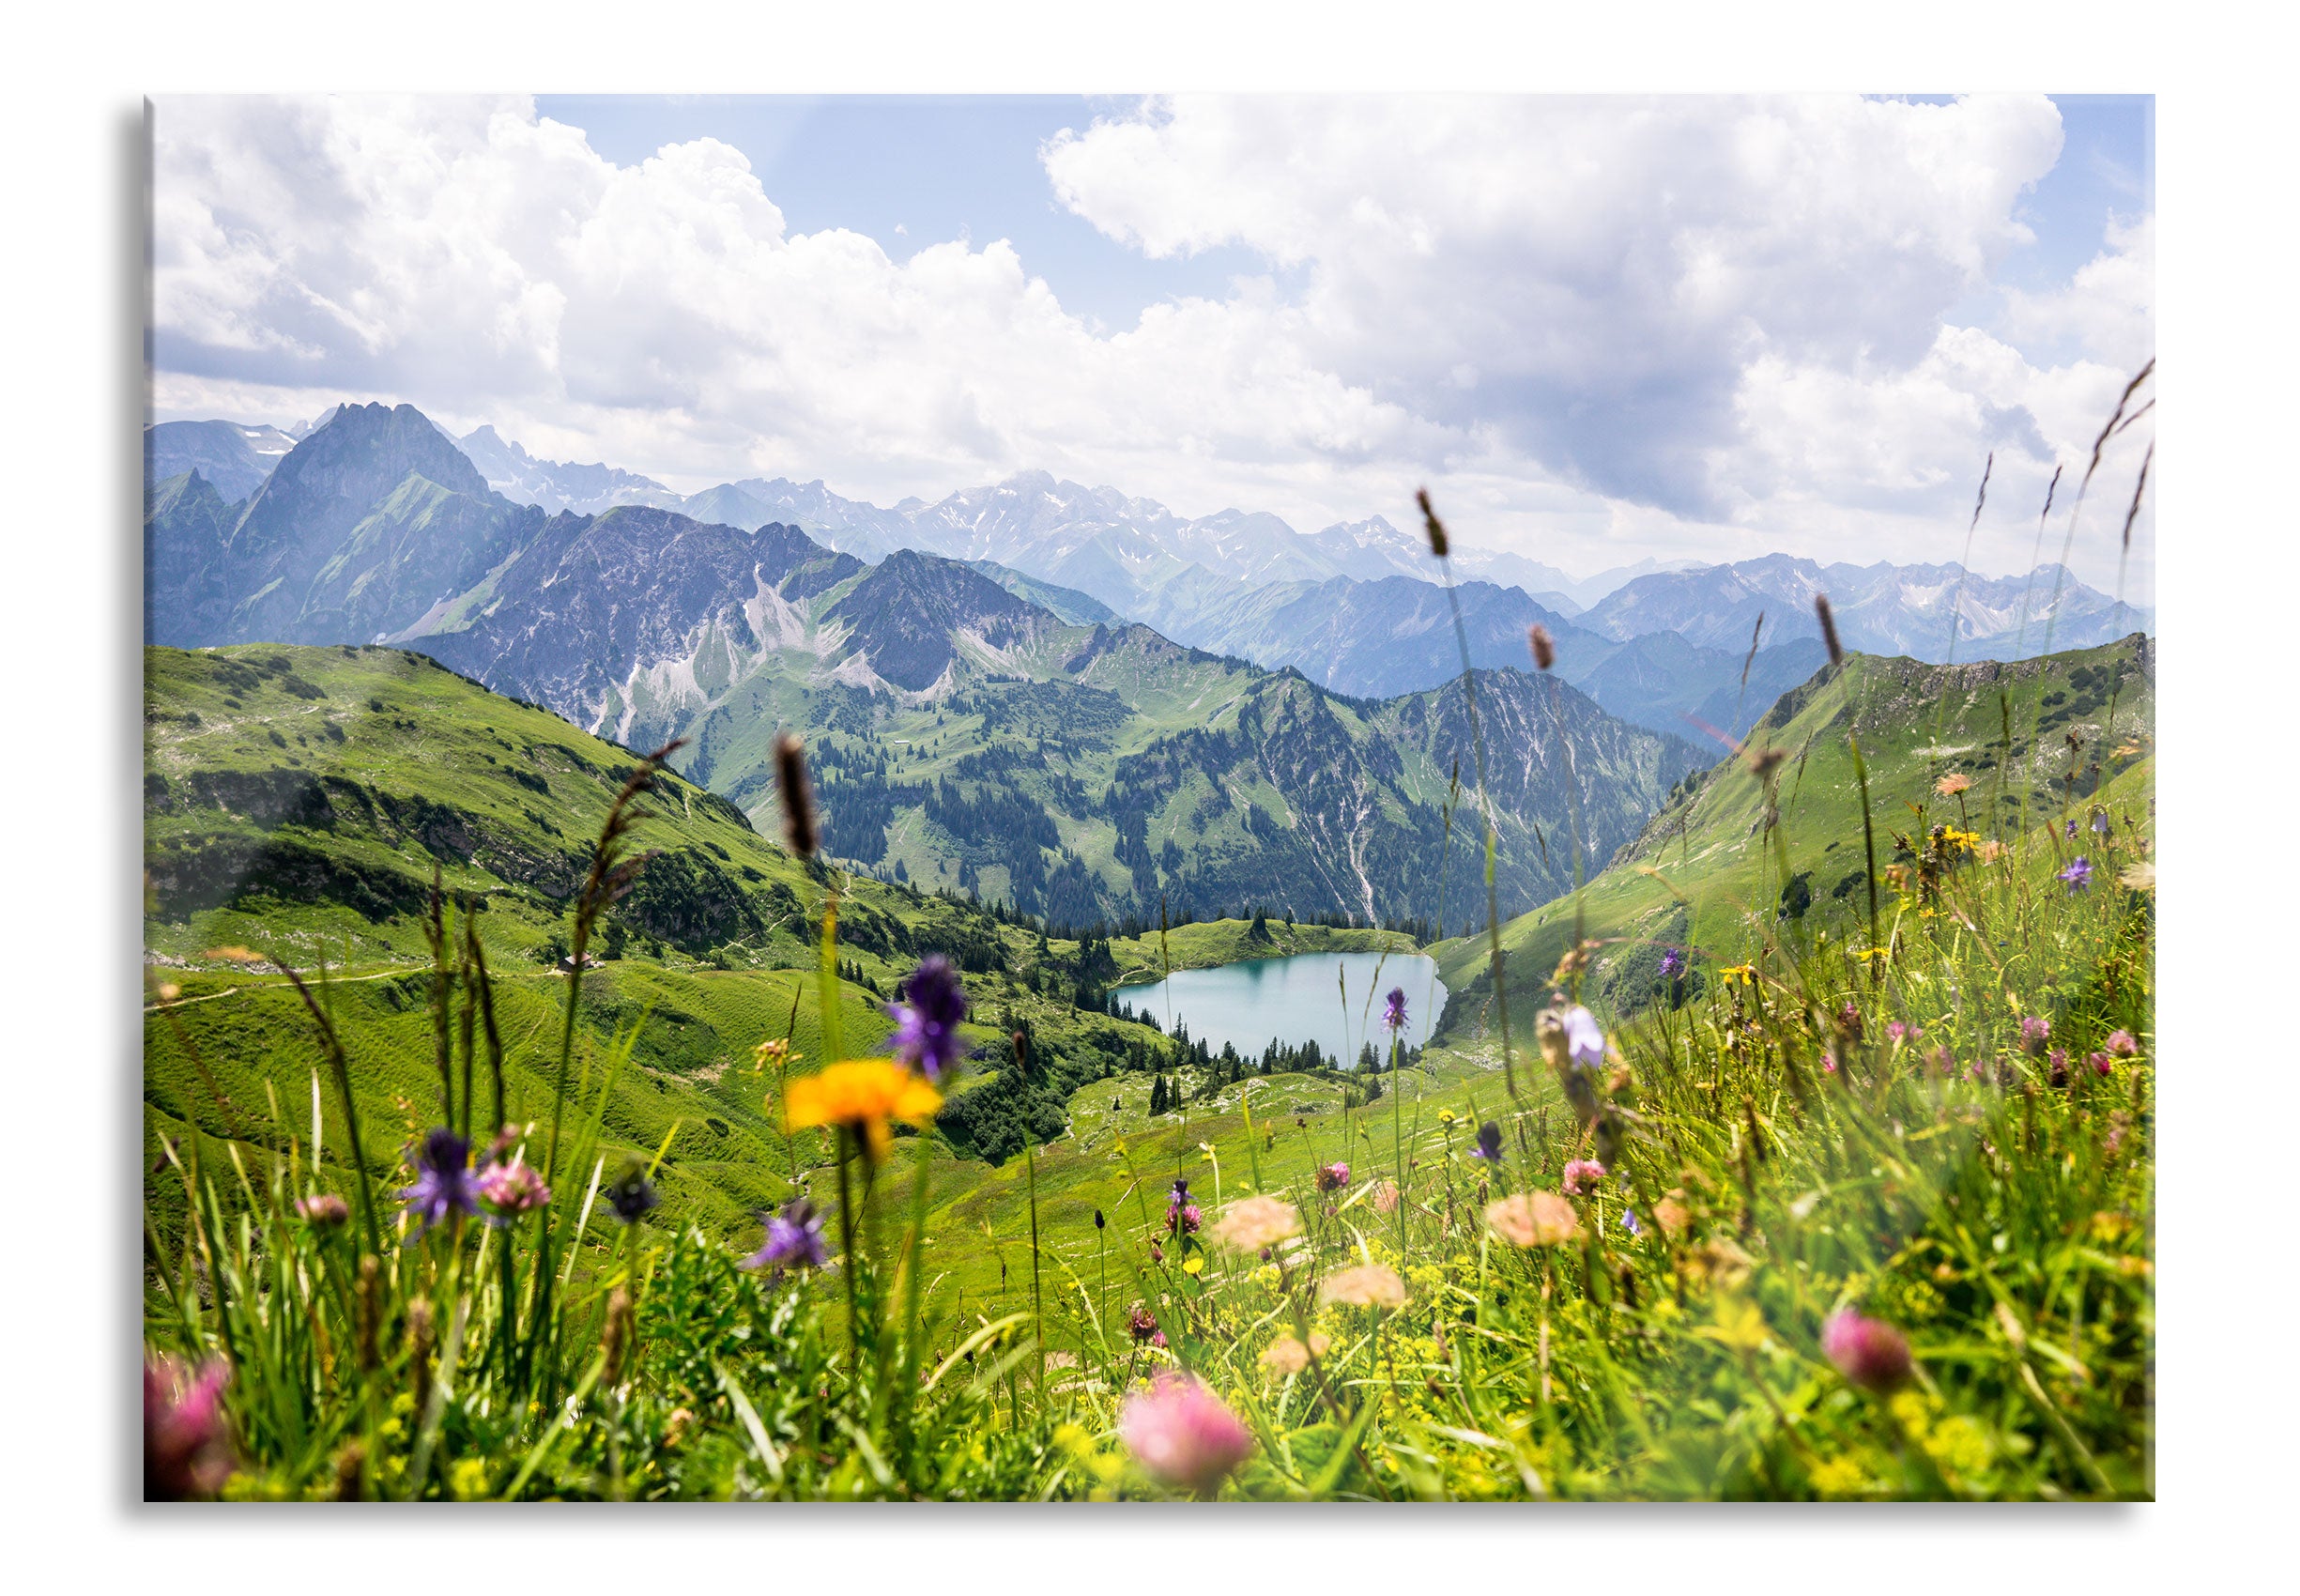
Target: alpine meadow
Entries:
(822, 958)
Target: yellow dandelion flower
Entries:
(1193, 1264)
(1534, 1219)
(863, 1095)
(1746, 972)
(1368, 1285)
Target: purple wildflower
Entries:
(1182, 1215)
(1629, 1223)
(632, 1194)
(2100, 1063)
(443, 1179)
(1184, 1435)
(2122, 1044)
(1672, 963)
(1851, 1023)
(1393, 1009)
(1140, 1322)
(1829, 1063)
(2100, 822)
(926, 1021)
(1901, 1031)
(1489, 1143)
(325, 1209)
(794, 1239)
(2035, 1035)
(1331, 1178)
(1581, 1177)
(512, 1189)
(1869, 1353)
(2058, 1064)
(1583, 1039)
(2077, 875)
(2069, 831)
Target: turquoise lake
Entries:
(1334, 999)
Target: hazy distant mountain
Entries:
(848, 525)
(1881, 609)
(1371, 639)
(554, 485)
(234, 459)
(1078, 609)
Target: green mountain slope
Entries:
(2034, 739)
(968, 737)
(297, 802)
(969, 740)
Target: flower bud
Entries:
(798, 801)
(1828, 629)
(1869, 1353)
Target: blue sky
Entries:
(934, 166)
(1607, 328)
(950, 166)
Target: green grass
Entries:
(2002, 1222)
(1707, 875)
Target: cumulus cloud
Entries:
(1633, 324)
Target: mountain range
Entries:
(964, 733)
(1353, 607)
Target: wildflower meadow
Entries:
(1864, 1211)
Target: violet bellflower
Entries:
(793, 1240)
(1489, 1143)
(632, 1194)
(1672, 963)
(2078, 875)
(444, 1183)
(1583, 1039)
(926, 1020)
(1393, 1009)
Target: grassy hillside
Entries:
(1774, 1155)
(1706, 875)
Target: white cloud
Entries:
(2108, 311)
(1628, 325)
